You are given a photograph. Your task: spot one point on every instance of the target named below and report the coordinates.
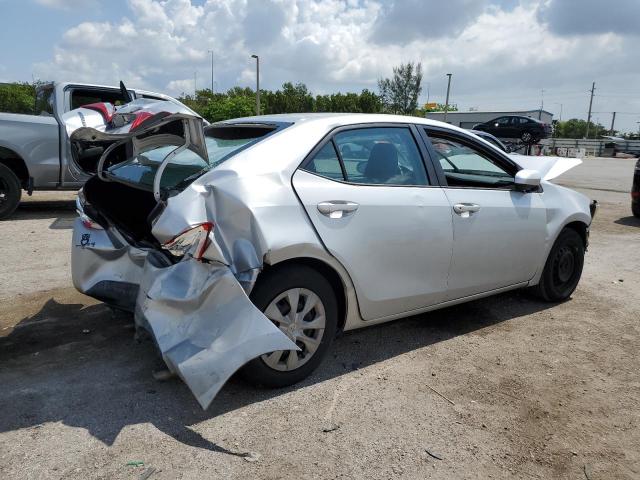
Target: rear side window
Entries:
(80, 97)
(326, 163)
(371, 156)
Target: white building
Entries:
(469, 119)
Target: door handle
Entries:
(466, 209)
(337, 208)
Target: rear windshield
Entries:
(222, 141)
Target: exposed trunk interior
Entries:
(128, 208)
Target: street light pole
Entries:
(211, 52)
(446, 103)
(593, 87)
(257, 83)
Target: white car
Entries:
(250, 243)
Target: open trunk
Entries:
(128, 208)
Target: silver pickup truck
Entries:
(35, 152)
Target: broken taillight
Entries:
(194, 240)
(140, 117)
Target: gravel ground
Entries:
(504, 387)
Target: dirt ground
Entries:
(526, 389)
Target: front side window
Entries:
(464, 165)
(503, 121)
(44, 101)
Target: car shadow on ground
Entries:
(80, 365)
(43, 209)
(629, 221)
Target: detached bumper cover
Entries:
(199, 315)
(204, 324)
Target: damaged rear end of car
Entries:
(148, 240)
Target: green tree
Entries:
(17, 97)
(400, 93)
(577, 128)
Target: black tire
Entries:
(635, 209)
(10, 192)
(273, 283)
(527, 137)
(563, 268)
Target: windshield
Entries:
(222, 141)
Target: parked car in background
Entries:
(35, 153)
(250, 243)
(527, 129)
(635, 191)
(492, 140)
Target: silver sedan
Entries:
(249, 244)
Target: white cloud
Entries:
(65, 4)
(494, 52)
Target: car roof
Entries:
(332, 120)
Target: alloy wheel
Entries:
(299, 314)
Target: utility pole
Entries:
(593, 87)
(446, 103)
(257, 83)
(195, 84)
(541, 103)
(613, 121)
(211, 52)
(428, 88)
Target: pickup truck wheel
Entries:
(563, 268)
(302, 304)
(10, 192)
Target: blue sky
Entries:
(503, 53)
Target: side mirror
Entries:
(527, 180)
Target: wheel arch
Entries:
(327, 271)
(14, 162)
(580, 228)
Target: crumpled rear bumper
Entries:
(198, 314)
(204, 324)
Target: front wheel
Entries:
(302, 304)
(10, 191)
(563, 268)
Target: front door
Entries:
(499, 233)
(369, 198)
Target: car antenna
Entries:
(125, 93)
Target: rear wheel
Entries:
(527, 137)
(302, 304)
(10, 191)
(635, 209)
(563, 269)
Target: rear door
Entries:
(369, 197)
(499, 232)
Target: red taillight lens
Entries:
(194, 240)
(140, 117)
(105, 111)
